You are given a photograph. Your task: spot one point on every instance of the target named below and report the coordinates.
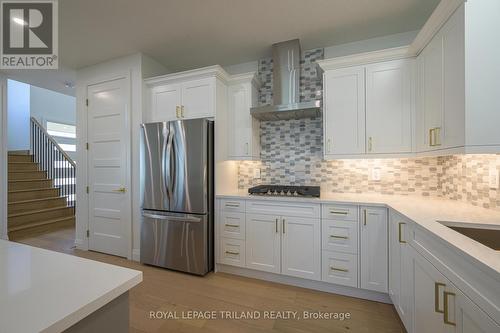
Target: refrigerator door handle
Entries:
(172, 218)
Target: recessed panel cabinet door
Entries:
(389, 107)
(198, 98)
(301, 244)
(166, 102)
(240, 121)
(344, 111)
(374, 249)
(263, 242)
(428, 292)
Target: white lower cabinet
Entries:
(232, 225)
(301, 247)
(232, 252)
(400, 279)
(374, 249)
(438, 306)
(340, 268)
(263, 242)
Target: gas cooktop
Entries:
(289, 191)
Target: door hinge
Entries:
(87, 190)
(87, 102)
(88, 233)
(87, 146)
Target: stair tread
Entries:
(12, 162)
(34, 189)
(29, 180)
(26, 171)
(34, 200)
(40, 223)
(38, 211)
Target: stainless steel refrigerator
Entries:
(178, 204)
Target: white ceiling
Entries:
(184, 34)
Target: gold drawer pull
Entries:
(446, 311)
(437, 285)
(232, 225)
(338, 212)
(400, 233)
(339, 269)
(230, 204)
(121, 190)
(233, 253)
(339, 237)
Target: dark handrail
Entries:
(51, 158)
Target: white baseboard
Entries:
(81, 244)
(304, 283)
(136, 255)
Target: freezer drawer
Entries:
(176, 241)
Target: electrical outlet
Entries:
(493, 179)
(256, 173)
(292, 179)
(375, 174)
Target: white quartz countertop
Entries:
(46, 291)
(424, 211)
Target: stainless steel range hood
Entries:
(286, 82)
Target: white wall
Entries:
(18, 113)
(3, 158)
(47, 105)
(135, 66)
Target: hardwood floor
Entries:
(164, 290)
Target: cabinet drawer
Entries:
(232, 252)
(232, 205)
(296, 209)
(232, 225)
(340, 268)
(340, 212)
(341, 236)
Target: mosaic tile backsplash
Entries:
(291, 153)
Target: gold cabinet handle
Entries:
(400, 224)
(339, 237)
(247, 148)
(437, 285)
(364, 216)
(232, 204)
(338, 212)
(276, 225)
(430, 137)
(121, 190)
(437, 135)
(446, 314)
(232, 252)
(182, 111)
(283, 224)
(339, 269)
(370, 144)
(177, 111)
(232, 225)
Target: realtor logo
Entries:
(29, 34)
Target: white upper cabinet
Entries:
(198, 98)
(243, 129)
(344, 112)
(166, 102)
(389, 107)
(374, 249)
(458, 69)
(368, 110)
(187, 95)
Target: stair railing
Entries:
(51, 158)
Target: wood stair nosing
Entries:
(39, 215)
(39, 193)
(20, 158)
(26, 184)
(23, 166)
(35, 204)
(22, 175)
(42, 226)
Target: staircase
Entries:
(41, 187)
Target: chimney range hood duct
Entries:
(286, 79)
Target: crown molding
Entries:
(438, 18)
(365, 58)
(244, 78)
(215, 71)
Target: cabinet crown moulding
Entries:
(366, 58)
(199, 73)
(245, 77)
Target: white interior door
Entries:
(109, 167)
